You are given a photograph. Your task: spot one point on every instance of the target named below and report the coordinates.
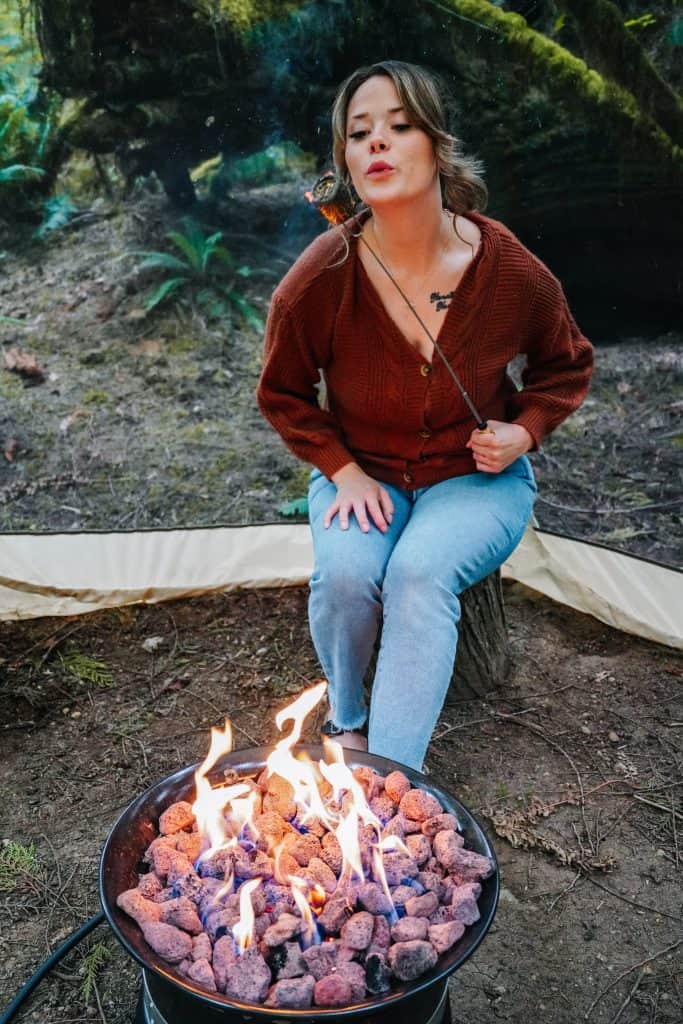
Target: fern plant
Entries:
(93, 962)
(204, 269)
(86, 669)
(18, 866)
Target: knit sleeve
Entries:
(559, 362)
(287, 396)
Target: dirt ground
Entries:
(150, 421)
(574, 770)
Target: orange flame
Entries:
(243, 931)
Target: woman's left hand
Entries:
(498, 448)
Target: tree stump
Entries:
(483, 654)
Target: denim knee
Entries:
(343, 582)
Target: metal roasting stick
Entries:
(330, 197)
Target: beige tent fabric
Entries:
(73, 573)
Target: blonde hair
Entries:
(462, 187)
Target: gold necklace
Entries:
(417, 289)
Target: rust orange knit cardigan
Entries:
(400, 418)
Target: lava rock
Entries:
(377, 975)
(443, 936)
(440, 823)
(292, 993)
(321, 960)
(422, 906)
(285, 928)
(357, 931)
(175, 818)
(408, 960)
(396, 785)
(418, 805)
(181, 913)
(170, 943)
(202, 972)
(136, 906)
(332, 990)
(249, 978)
(409, 928)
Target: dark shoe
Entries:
(352, 739)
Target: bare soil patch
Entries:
(578, 758)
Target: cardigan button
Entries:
(408, 477)
(425, 433)
(425, 369)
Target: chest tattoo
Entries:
(442, 300)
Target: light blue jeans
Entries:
(443, 539)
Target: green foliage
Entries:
(28, 114)
(204, 270)
(93, 962)
(17, 864)
(644, 21)
(297, 507)
(283, 161)
(86, 669)
(57, 211)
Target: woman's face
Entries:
(389, 159)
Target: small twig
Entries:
(673, 822)
(564, 892)
(634, 903)
(99, 1003)
(630, 996)
(660, 807)
(634, 967)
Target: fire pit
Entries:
(169, 996)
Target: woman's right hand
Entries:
(359, 493)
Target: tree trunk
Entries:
(483, 654)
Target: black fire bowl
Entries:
(121, 863)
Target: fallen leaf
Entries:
(11, 446)
(73, 417)
(18, 361)
(149, 347)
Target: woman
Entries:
(410, 503)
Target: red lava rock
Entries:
(467, 864)
(432, 883)
(285, 867)
(321, 874)
(149, 885)
(255, 864)
(178, 865)
(394, 827)
(409, 825)
(210, 888)
(202, 972)
(175, 818)
(334, 914)
(408, 960)
(396, 785)
(381, 934)
(332, 853)
(202, 948)
(270, 825)
(439, 823)
(441, 915)
(170, 943)
(357, 932)
(355, 975)
(464, 905)
(190, 885)
(261, 924)
(159, 853)
(420, 848)
(333, 990)
(402, 893)
(219, 922)
(409, 928)
(418, 805)
(422, 906)
(292, 993)
(384, 807)
(218, 865)
(136, 906)
(347, 953)
(249, 978)
(372, 897)
(398, 868)
(369, 779)
(224, 957)
(446, 846)
(285, 928)
(189, 844)
(433, 865)
(302, 847)
(181, 913)
(280, 797)
(443, 936)
(321, 960)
